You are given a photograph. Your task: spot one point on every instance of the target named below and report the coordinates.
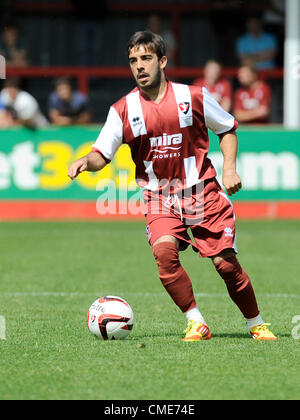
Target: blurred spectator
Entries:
(252, 100)
(155, 25)
(22, 106)
(5, 117)
(218, 86)
(90, 32)
(2, 106)
(257, 48)
(13, 48)
(67, 107)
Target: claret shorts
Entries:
(204, 209)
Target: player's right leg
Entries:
(171, 273)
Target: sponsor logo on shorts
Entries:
(148, 233)
(228, 232)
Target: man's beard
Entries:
(156, 82)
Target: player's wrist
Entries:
(229, 170)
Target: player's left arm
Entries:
(223, 125)
(229, 147)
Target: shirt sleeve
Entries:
(216, 118)
(266, 97)
(238, 105)
(111, 135)
(26, 106)
(52, 102)
(80, 103)
(240, 46)
(85, 106)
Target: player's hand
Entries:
(77, 168)
(231, 182)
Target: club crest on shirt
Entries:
(184, 107)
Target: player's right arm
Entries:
(104, 149)
(92, 162)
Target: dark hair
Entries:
(154, 41)
(250, 67)
(62, 81)
(12, 83)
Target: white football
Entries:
(110, 318)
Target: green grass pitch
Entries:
(52, 272)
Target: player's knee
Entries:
(167, 238)
(228, 266)
(167, 258)
(224, 255)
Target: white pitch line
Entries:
(141, 294)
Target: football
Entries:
(110, 318)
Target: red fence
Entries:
(83, 74)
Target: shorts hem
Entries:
(208, 255)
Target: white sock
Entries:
(253, 322)
(195, 315)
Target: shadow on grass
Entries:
(179, 336)
(231, 335)
(156, 335)
(245, 335)
(175, 335)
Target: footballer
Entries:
(166, 124)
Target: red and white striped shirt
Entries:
(168, 141)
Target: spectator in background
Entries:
(252, 100)
(22, 107)
(218, 86)
(155, 25)
(67, 107)
(2, 106)
(257, 48)
(6, 120)
(13, 48)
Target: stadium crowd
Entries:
(246, 96)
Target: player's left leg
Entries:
(240, 290)
(167, 235)
(215, 237)
(179, 286)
